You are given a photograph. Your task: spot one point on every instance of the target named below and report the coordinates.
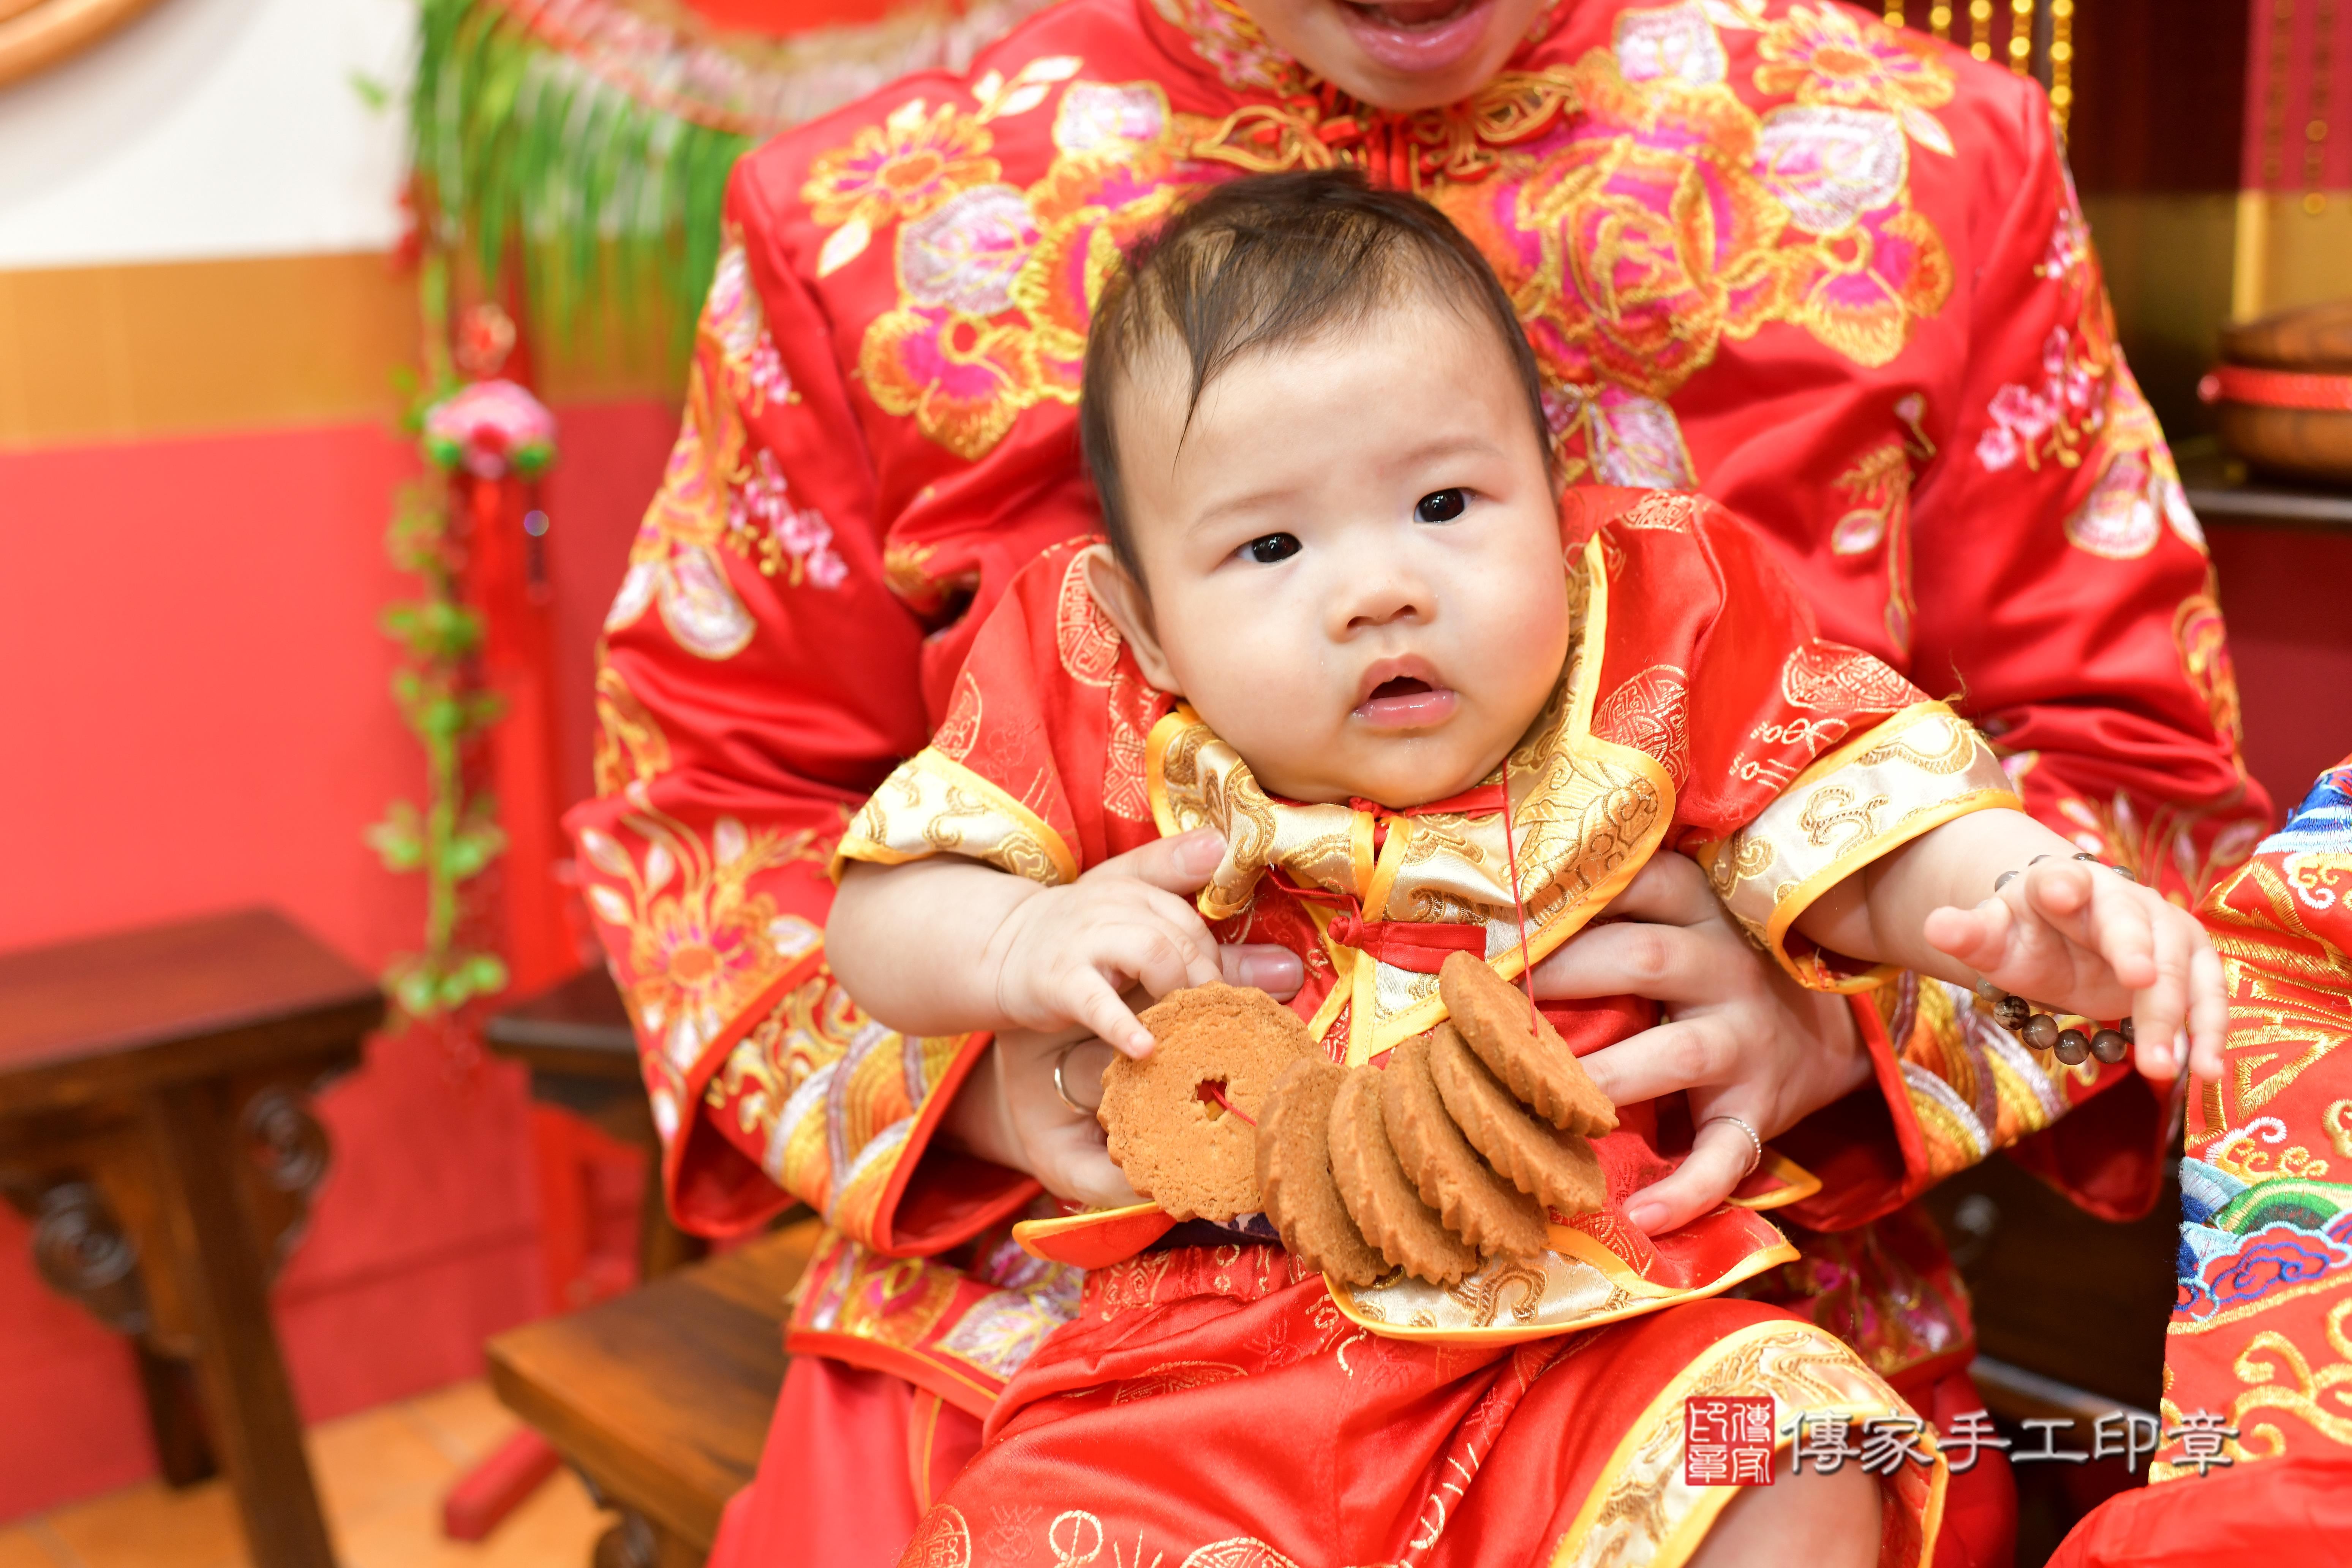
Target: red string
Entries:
(1518, 906)
(1211, 1091)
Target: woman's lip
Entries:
(1428, 46)
(1421, 709)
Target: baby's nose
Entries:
(1386, 601)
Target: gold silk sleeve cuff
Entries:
(932, 804)
(1873, 794)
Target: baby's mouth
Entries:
(1406, 702)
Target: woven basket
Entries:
(2283, 393)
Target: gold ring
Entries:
(1061, 1090)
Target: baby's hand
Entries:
(2078, 938)
(1064, 955)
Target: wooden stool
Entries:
(661, 1398)
(153, 1127)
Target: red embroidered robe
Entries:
(1832, 275)
(2256, 1443)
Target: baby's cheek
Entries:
(1259, 681)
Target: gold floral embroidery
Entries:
(721, 492)
(1666, 217)
(702, 943)
(2204, 647)
(1657, 239)
(997, 285)
(831, 1094)
(964, 379)
(1638, 223)
(630, 745)
(1878, 489)
(902, 168)
(1827, 55)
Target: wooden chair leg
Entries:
(661, 1246)
(238, 1366)
(175, 1415)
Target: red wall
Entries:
(2285, 594)
(197, 718)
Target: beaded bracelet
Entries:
(2040, 1029)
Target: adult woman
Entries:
(1829, 274)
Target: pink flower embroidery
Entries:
(761, 504)
(2072, 401)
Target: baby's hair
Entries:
(1269, 260)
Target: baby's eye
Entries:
(1441, 506)
(1272, 547)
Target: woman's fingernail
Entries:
(1201, 850)
(1644, 1215)
(1272, 971)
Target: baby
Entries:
(1402, 697)
(1320, 445)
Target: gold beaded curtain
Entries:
(2035, 37)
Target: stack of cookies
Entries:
(1452, 1153)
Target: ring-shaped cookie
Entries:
(1181, 1121)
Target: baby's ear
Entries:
(1122, 598)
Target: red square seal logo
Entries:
(1727, 1440)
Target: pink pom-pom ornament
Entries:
(488, 428)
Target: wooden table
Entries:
(153, 1127)
(577, 1040)
(661, 1398)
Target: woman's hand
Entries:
(1010, 1110)
(1743, 1038)
(1010, 1113)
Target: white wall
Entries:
(209, 127)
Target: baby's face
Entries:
(1352, 560)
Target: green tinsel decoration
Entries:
(521, 154)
